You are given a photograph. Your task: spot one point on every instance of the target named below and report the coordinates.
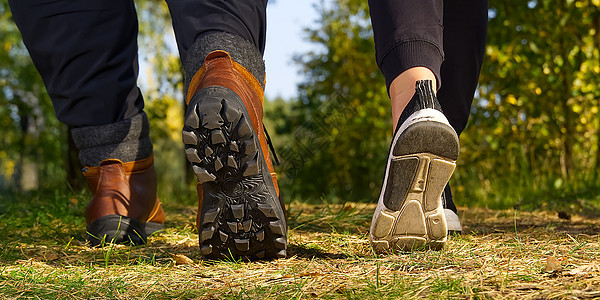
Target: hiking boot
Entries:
(423, 154)
(124, 206)
(239, 210)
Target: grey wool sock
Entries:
(241, 51)
(126, 140)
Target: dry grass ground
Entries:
(503, 254)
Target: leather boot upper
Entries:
(220, 70)
(124, 189)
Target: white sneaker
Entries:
(422, 158)
(452, 222)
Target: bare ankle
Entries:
(402, 89)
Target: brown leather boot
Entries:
(240, 213)
(124, 206)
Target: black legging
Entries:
(413, 33)
(448, 38)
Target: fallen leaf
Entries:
(348, 207)
(310, 274)
(581, 270)
(51, 256)
(181, 259)
(552, 264)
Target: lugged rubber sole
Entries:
(120, 230)
(240, 215)
(410, 214)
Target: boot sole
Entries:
(240, 214)
(120, 230)
(410, 214)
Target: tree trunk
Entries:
(596, 24)
(567, 163)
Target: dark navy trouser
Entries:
(86, 51)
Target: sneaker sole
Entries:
(240, 214)
(410, 215)
(454, 226)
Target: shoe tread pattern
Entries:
(421, 165)
(240, 215)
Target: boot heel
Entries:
(117, 230)
(239, 213)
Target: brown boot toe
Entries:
(124, 207)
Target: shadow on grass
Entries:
(303, 251)
(479, 221)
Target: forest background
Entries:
(533, 139)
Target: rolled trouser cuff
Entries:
(410, 54)
(127, 140)
(241, 51)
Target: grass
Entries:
(503, 254)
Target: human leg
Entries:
(465, 25)
(465, 28)
(221, 47)
(86, 54)
(408, 46)
(408, 41)
(402, 89)
(423, 154)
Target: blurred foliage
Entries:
(533, 138)
(33, 142)
(534, 130)
(338, 130)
